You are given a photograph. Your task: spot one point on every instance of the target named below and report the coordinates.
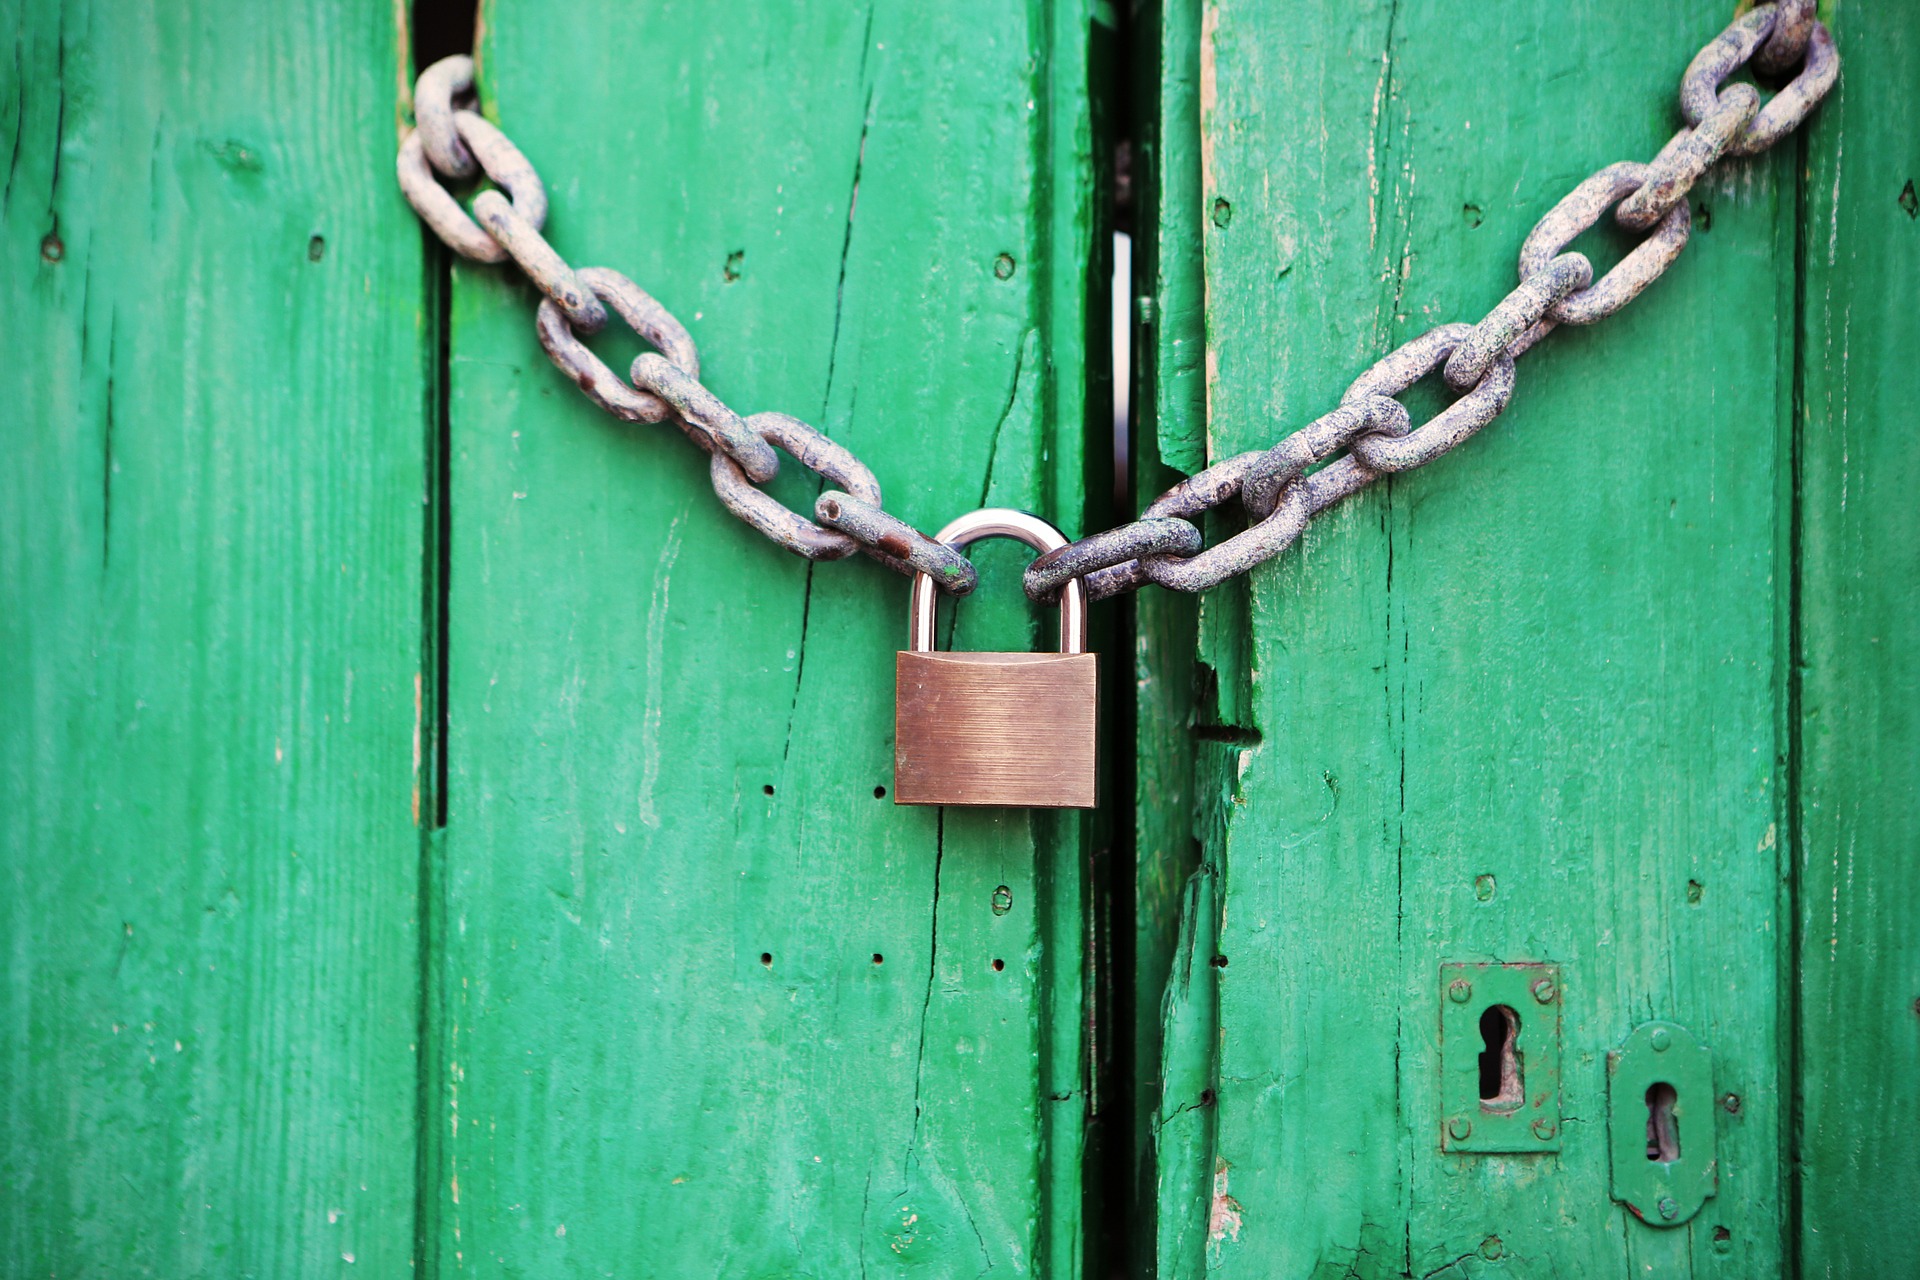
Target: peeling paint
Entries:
(1225, 1221)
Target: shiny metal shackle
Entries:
(1001, 522)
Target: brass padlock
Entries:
(996, 728)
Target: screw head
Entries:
(1661, 1039)
(1732, 1103)
(1544, 991)
(1460, 991)
(1492, 1248)
(1459, 1127)
(1543, 1129)
(1668, 1209)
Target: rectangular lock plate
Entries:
(1499, 1057)
(995, 729)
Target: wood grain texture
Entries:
(1169, 409)
(1523, 704)
(711, 1003)
(1859, 625)
(210, 605)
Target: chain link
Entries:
(451, 142)
(435, 93)
(1579, 210)
(1274, 487)
(1792, 26)
(645, 317)
(894, 542)
(814, 451)
(1277, 487)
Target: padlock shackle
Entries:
(1001, 522)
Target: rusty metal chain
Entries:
(1278, 487)
(452, 142)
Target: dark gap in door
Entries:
(436, 29)
(1791, 754)
(1111, 1188)
(439, 28)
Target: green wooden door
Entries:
(709, 1002)
(1615, 687)
(438, 839)
(437, 833)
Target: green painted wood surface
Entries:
(711, 1004)
(1637, 655)
(209, 603)
(1555, 659)
(1859, 702)
(1170, 1134)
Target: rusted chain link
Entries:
(645, 317)
(894, 542)
(1277, 487)
(1732, 49)
(434, 94)
(1792, 26)
(1579, 210)
(817, 454)
(1280, 496)
(452, 142)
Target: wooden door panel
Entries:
(1523, 704)
(210, 558)
(655, 978)
(710, 1003)
(1858, 752)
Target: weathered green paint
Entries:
(1171, 999)
(209, 603)
(1525, 704)
(1622, 685)
(1858, 712)
(710, 1003)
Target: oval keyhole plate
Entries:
(1660, 1123)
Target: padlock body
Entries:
(995, 729)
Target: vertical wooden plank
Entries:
(1521, 704)
(209, 602)
(1170, 1006)
(713, 1005)
(1303, 1031)
(1859, 748)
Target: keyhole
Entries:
(1663, 1130)
(1500, 1088)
